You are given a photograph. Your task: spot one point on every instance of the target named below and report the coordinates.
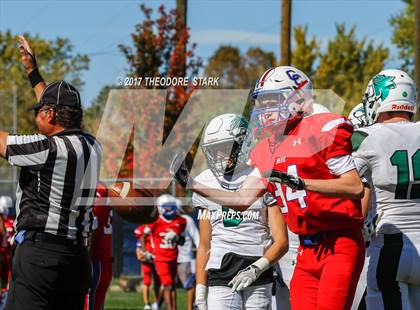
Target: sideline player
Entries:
(100, 251)
(235, 248)
(186, 260)
(145, 254)
(388, 154)
(314, 180)
(166, 232)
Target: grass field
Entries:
(134, 301)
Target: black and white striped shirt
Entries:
(57, 181)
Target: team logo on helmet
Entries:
(382, 84)
(295, 77)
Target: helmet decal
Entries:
(295, 77)
(382, 85)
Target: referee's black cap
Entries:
(59, 93)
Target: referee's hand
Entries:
(27, 55)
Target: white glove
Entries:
(171, 236)
(201, 297)
(247, 276)
(149, 257)
(369, 226)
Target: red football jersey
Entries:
(147, 232)
(165, 250)
(5, 244)
(304, 152)
(101, 247)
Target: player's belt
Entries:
(50, 238)
(310, 240)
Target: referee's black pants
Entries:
(48, 276)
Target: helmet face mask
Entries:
(168, 206)
(226, 144)
(222, 157)
(280, 94)
(169, 210)
(358, 116)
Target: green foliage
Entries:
(348, 64)
(239, 71)
(305, 52)
(403, 35)
(56, 61)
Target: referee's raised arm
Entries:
(54, 198)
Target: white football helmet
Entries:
(6, 203)
(226, 144)
(283, 91)
(390, 90)
(168, 206)
(357, 116)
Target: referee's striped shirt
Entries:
(57, 181)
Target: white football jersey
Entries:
(245, 233)
(388, 155)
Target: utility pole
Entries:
(417, 50)
(286, 15)
(181, 6)
(15, 132)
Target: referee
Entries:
(56, 190)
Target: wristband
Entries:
(262, 264)
(35, 77)
(200, 292)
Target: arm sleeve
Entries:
(335, 138)
(199, 201)
(27, 150)
(340, 164)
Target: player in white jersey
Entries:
(236, 249)
(387, 154)
(185, 259)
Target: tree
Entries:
(348, 64)
(158, 49)
(403, 35)
(56, 61)
(286, 21)
(236, 70)
(305, 52)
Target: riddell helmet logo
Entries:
(404, 107)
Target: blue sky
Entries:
(97, 27)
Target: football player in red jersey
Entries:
(145, 253)
(167, 234)
(306, 164)
(100, 251)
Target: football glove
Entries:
(247, 276)
(148, 257)
(171, 236)
(369, 226)
(289, 180)
(200, 297)
(180, 169)
(269, 200)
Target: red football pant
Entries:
(167, 272)
(326, 275)
(148, 270)
(101, 277)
